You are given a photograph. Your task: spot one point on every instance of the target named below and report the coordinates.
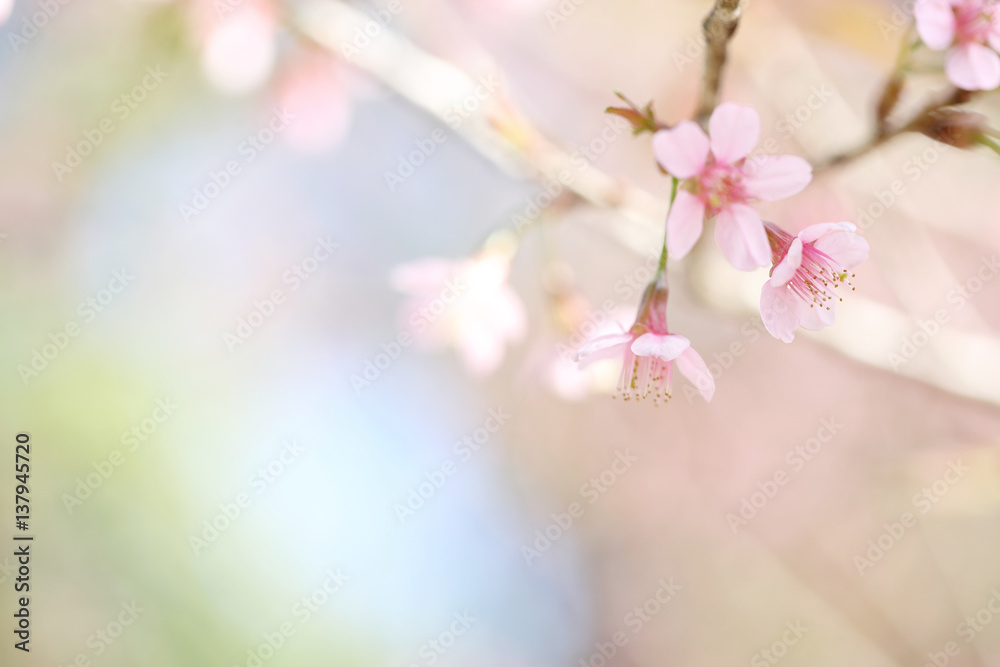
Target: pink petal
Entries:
(694, 369)
(666, 347)
(935, 23)
(818, 231)
(735, 130)
(779, 311)
(740, 233)
(815, 317)
(846, 248)
(790, 263)
(994, 36)
(773, 177)
(683, 150)
(603, 347)
(684, 223)
(973, 67)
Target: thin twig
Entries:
(719, 26)
(919, 121)
(434, 85)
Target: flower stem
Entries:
(990, 143)
(674, 183)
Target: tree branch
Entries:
(919, 122)
(719, 27)
(867, 328)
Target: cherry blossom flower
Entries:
(807, 271)
(970, 31)
(649, 351)
(718, 180)
(465, 304)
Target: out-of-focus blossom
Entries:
(552, 363)
(719, 181)
(807, 271)
(465, 304)
(649, 351)
(316, 92)
(239, 47)
(6, 7)
(970, 31)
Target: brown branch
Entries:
(719, 27)
(920, 121)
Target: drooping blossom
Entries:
(970, 31)
(466, 304)
(720, 181)
(807, 271)
(649, 351)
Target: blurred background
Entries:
(222, 218)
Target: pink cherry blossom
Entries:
(315, 90)
(465, 304)
(649, 351)
(970, 31)
(718, 180)
(807, 271)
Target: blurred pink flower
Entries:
(968, 29)
(315, 90)
(649, 351)
(239, 44)
(719, 181)
(465, 304)
(6, 7)
(807, 270)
